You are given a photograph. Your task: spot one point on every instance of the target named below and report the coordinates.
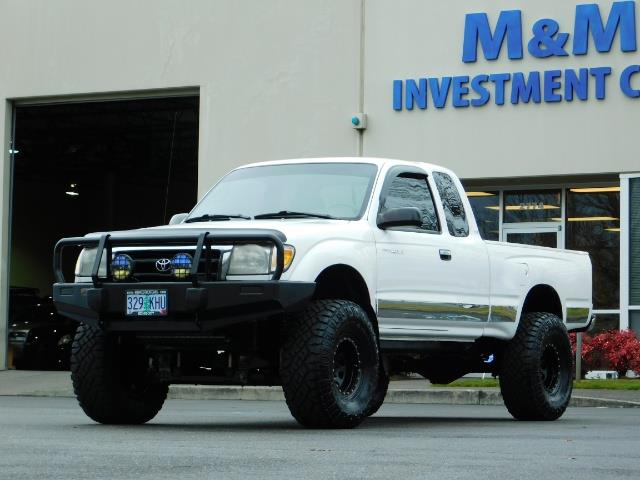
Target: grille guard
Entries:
(202, 240)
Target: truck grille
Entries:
(145, 267)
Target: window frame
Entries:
(626, 307)
(391, 175)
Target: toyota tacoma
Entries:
(324, 276)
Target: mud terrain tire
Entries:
(110, 380)
(536, 369)
(329, 365)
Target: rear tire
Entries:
(536, 369)
(329, 365)
(111, 381)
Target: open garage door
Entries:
(84, 167)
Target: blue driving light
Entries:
(121, 266)
(181, 265)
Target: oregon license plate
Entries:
(146, 302)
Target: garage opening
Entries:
(86, 167)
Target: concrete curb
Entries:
(216, 392)
(602, 402)
(61, 387)
(57, 393)
(457, 396)
(447, 396)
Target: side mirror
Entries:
(400, 217)
(178, 218)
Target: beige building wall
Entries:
(409, 39)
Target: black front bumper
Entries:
(208, 306)
(202, 302)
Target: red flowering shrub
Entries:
(613, 350)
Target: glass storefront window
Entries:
(605, 322)
(532, 206)
(593, 226)
(486, 209)
(634, 321)
(540, 239)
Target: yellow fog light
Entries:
(181, 265)
(121, 267)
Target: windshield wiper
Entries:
(208, 217)
(292, 214)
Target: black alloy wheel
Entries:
(550, 369)
(347, 368)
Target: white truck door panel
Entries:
(428, 285)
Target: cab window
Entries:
(410, 189)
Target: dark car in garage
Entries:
(39, 338)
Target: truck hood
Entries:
(291, 228)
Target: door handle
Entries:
(445, 254)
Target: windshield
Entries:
(333, 190)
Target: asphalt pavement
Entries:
(51, 438)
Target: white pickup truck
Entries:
(325, 276)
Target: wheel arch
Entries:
(341, 281)
(542, 298)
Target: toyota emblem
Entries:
(163, 264)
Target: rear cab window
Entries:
(454, 212)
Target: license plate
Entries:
(146, 302)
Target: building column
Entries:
(5, 227)
(624, 252)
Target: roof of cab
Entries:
(380, 162)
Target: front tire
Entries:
(110, 379)
(536, 369)
(380, 391)
(329, 365)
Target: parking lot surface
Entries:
(52, 438)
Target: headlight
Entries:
(250, 260)
(84, 264)
(253, 259)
